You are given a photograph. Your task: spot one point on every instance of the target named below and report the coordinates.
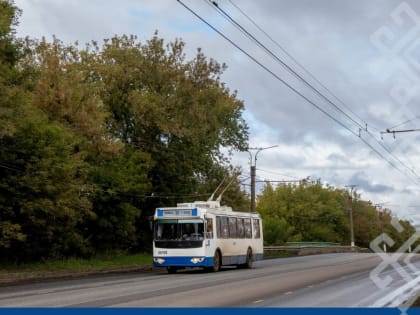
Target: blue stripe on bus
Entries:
(207, 262)
(184, 262)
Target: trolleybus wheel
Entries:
(249, 259)
(216, 262)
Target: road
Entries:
(319, 280)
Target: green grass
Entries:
(279, 254)
(100, 263)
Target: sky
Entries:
(332, 77)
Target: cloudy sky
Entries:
(360, 59)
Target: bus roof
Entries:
(196, 208)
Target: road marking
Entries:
(258, 301)
(288, 293)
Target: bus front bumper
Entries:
(190, 261)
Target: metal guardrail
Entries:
(312, 244)
(288, 247)
(319, 249)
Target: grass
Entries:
(73, 265)
(279, 254)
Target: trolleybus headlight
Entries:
(159, 260)
(196, 260)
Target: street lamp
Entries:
(253, 172)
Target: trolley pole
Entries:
(254, 172)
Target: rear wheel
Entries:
(249, 260)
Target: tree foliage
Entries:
(93, 139)
(310, 212)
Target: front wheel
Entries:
(216, 262)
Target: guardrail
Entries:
(316, 249)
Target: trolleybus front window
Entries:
(180, 231)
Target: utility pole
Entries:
(254, 172)
(351, 214)
(381, 222)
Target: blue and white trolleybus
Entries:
(206, 234)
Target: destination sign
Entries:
(177, 213)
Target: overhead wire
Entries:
(288, 68)
(403, 123)
(296, 91)
(276, 43)
(252, 37)
(276, 173)
(267, 69)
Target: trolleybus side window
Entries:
(218, 227)
(256, 223)
(225, 227)
(248, 230)
(241, 228)
(232, 227)
(222, 226)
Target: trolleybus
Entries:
(206, 234)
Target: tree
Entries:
(310, 212)
(276, 231)
(178, 111)
(41, 194)
(92, 139)
(121, 183)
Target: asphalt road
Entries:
(319, 280)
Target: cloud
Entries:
(359, 179)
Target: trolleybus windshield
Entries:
(179, 230)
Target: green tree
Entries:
(178, 111)
(276, 231)
(311, 212)
(41, 194)
(121, 183)
(92, 139)
(10, 79)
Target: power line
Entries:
(403, 123)
(296, 62)
(275, 173)
(249, 35)
(296, 91)
(267, 69)
(290, 69)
